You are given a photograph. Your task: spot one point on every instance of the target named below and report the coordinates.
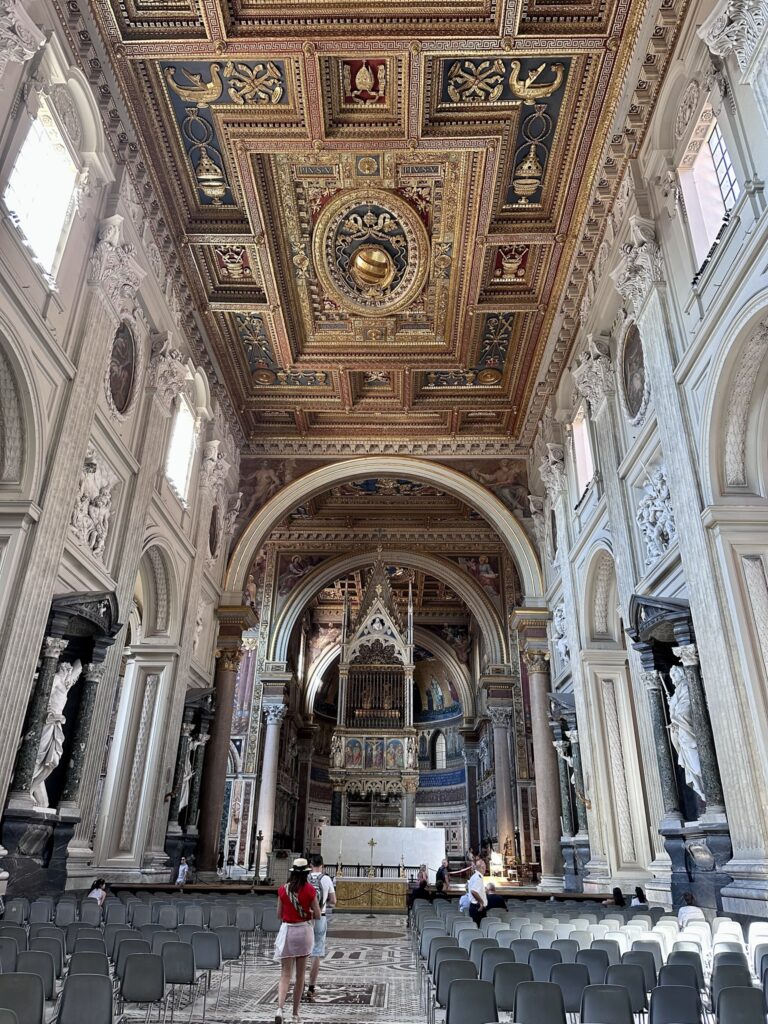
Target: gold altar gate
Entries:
(371, 894)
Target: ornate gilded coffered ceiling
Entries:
(376, 209)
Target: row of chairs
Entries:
(471, 1001)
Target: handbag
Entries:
(280, 941)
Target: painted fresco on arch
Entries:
(291, 569)
(386, 487)
(506, 478)
(374, 754)
(459, 638)
(485, 569)
(261, 478)
(122, 367)
(395, 755)
(353, 753)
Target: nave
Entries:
(210, 958)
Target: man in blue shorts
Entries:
(326, 897)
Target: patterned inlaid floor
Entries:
(368, 977)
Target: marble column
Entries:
(214, 778)
(710, 773)
(505, 823)
(409, 807)
(265, 815)
(656, 705)
(53, 647)
(178, 775)
(93, 675)
(578, 782)
(546, 771)
(198, 766)
(566, 814)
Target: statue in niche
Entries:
(188, 775)
(337, 752)
(411, 760)
(52, 738)
(681, 730)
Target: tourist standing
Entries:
(443, 872)
(297, 908)
(476, 892)
(181, 877)
(326, 898)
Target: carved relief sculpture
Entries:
(559, 638)
(52, 738)
(93, 507)
(655, 516)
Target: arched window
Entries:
(438, 751)
(40, 192)
(181, 450)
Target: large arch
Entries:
(423, 637)
(442, 477)
(468, 590)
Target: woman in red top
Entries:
(297, 908)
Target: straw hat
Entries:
(300, 864)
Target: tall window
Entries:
(181, 451)
(582, 452)
(40, 190)
(709, 182)
(439, 751)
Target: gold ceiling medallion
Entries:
(489, 376)
(526, 90)
(365, 84)
(371, 252)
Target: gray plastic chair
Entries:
(40, 912)
(544, 938)
(477, 948)
(129, 947)
(90, 913)
(729, 976)
(231, 954)
(506, 978)
(8, 1016)
(139, 914)
(34, 961)
(646, 962)
(148, 930)
(611, 947)
(541, 962)
(650, 946)
(571, 979)
(65, 914)
(491, 959)
(449, 971)
(678, 974)
(194, 915)
(675, 1004)
(471, 1002)
(89, 963)
(691, 959)
(538, 1002)
(16, 911)
(25, 995)
(168, 918)
(567, 948)
(521, 948)
(740, 1006)
(86, 997)
(219, 918)
(15, 931)
(121, 935)
(207, 950)
(632, 978)
(90, 946)
(606, 1004)
(179, 964)
(143, 981)
(53, 948)
(160, 938)
(116, 913)
(9, 952)
(596, 962)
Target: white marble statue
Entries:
(411, 757)
(189, 773)
(655, 516)
(337, 752)
(52, 737)
(559, 637)
(681, 730)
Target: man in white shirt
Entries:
(326, 897)
(476, 890)
(689, 911)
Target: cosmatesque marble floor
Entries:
(368, 976)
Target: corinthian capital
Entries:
(500, 717)
(114, 267)
(641, 265)
(687, 654)
(230, 659)
(168, 372)
(274, 713)
(552, 471)
(20, 38)
(537, 661)
(593, 374)
(735, 26)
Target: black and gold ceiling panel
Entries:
(375, 206)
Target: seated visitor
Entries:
(98, 891)
(639, 900)
(689, 911)
(442, 873)
(617, 900)
(440, 893)
(421, 892)
(494, 900)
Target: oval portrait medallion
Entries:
(634, 383)
(122, 369)
(371, 252)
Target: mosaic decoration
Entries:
(369, 251)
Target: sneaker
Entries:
(278, 1016)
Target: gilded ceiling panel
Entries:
(376, 208)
